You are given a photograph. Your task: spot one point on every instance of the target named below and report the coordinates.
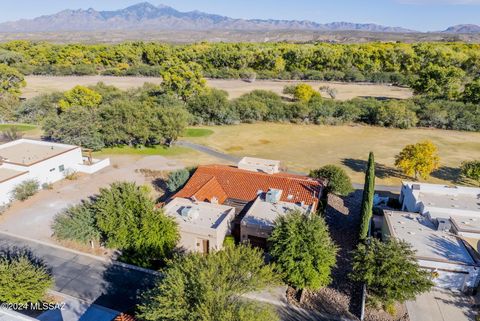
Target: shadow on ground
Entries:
(381, 170)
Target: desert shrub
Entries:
(25, 190)
(177, 179)
(77, 223)
(23, 279)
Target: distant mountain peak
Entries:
(463, 28)
(146, 16)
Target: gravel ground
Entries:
(342, 297)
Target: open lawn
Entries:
(144, 151)
(19, 127)
(304, 147)
(37, 85)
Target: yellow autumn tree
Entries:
(419, 159)
(80, 96)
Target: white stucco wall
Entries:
(7, 187)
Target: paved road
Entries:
(95, 281)
(230, 158)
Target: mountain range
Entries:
(148, 17)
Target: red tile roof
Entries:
(124, 317)
(224, 182)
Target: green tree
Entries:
(211, 107)
(182, 79)
(390, 272)
(77, 223)
(8, 108)
(80, 96)
(301, 92)
(438, 81)
(367, 199)
(127, 217)
(76, 126)
(11, 80)
(471, 94)
(172, 123)
(177, 179)
(418, 159)
(301, 247)
(22, 280)
(209, 288)
(471, 170)
(338, 181)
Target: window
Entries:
(61, 168)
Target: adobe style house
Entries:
(442, 223)
(45, 162)
(257, 192)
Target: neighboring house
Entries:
(203, 225)
(258, 222)
(245, 188)
(44, 162)
(455, 264)
(452, 208)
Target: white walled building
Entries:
(44, 162)
(454, 262)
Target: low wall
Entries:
(97, 165)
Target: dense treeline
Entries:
(377, 62)
(104, 116)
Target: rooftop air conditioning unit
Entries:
(273, 195)
(444, 224)
(189, 213)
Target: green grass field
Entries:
(144, 151)
(197, 132)
(20, 127)
(305, 147)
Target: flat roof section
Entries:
(466, 223)
(460, 201)
(202, 214)
(263, 214)
(8, 174)
(26, 152)
(426, 240)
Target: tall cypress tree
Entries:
(367, 201)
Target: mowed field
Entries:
(304, 147)
(37, 85)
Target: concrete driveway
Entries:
(441, 305)
(33, 217)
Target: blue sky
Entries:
(415, 14)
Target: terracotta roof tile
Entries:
(125, 317)
(211, 180)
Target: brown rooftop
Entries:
(8, 174)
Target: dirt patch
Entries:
(37, 85)
(234, 149)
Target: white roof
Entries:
(259, 161)
(426, 240)
(209, 215)
(27, 152)
(263, 213)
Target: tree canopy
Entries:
(23, 279)
(338, 181)
(197, 287)
(80, 96)
(301, 247)
(11, 80)
(128, 220)
(390, 271)
(471, 170)
(418, 159)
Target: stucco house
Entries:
(203, 225)
(257, 191)
(45, 162)
(455, 263)
(452, 208)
